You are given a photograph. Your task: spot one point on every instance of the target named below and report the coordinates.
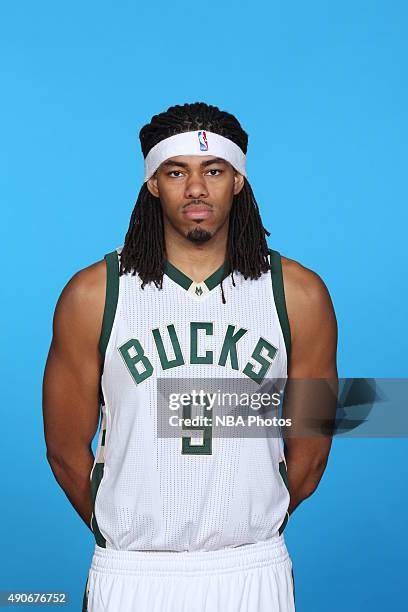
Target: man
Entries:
(194, 292)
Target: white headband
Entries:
(199, 142)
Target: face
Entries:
(196, 193)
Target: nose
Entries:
(196, 186)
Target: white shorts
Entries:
(250, 578)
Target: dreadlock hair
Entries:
(144, 248)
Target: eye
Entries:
(179, 173)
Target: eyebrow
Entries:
(207, 162)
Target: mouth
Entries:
(197, 211)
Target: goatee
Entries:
(199, 235)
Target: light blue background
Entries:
(321, 88)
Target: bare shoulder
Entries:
(82, 301)
(301, 280)
(306, 294)
(87, 286)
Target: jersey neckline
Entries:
(205, 286)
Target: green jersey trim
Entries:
(284, 475)
(279, 296)
(185, 281)
(177, 275)
(216, 277)
(111, 300)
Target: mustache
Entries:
(194, 202)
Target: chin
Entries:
(199, 235)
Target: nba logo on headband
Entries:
(202, 138)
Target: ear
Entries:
(238, 182)
(152, 185)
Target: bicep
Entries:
(71, 383)
(309, 402)
(314, 332)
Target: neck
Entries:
(197, 260)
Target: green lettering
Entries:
(263, 361)
(133, 354)
(229, 346)
(194, 357)
(165, 362)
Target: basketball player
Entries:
(193, 292)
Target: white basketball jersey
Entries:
(174, 493)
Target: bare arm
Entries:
(313, 356)
(71, 385)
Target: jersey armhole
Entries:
(111, 300)
(279, 296)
